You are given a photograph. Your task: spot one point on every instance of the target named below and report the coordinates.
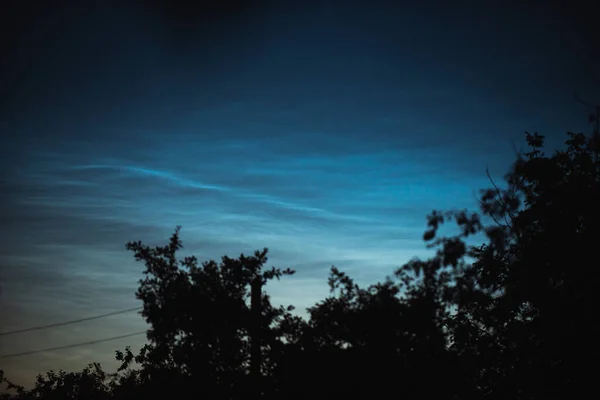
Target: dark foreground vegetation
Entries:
(514, 318)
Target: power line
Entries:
(75, 321)
(26, 353)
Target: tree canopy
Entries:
(515, 317)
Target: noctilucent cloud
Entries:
(326, 134)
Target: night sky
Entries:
(323, 132)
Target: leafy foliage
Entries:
(91, 383)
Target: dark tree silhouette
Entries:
(201, 320)
(525, 310)
(367, 341)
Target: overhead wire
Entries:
(70, 346)
(75, 321)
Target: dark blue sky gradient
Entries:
(325, 134)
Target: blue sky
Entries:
(324, 134)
